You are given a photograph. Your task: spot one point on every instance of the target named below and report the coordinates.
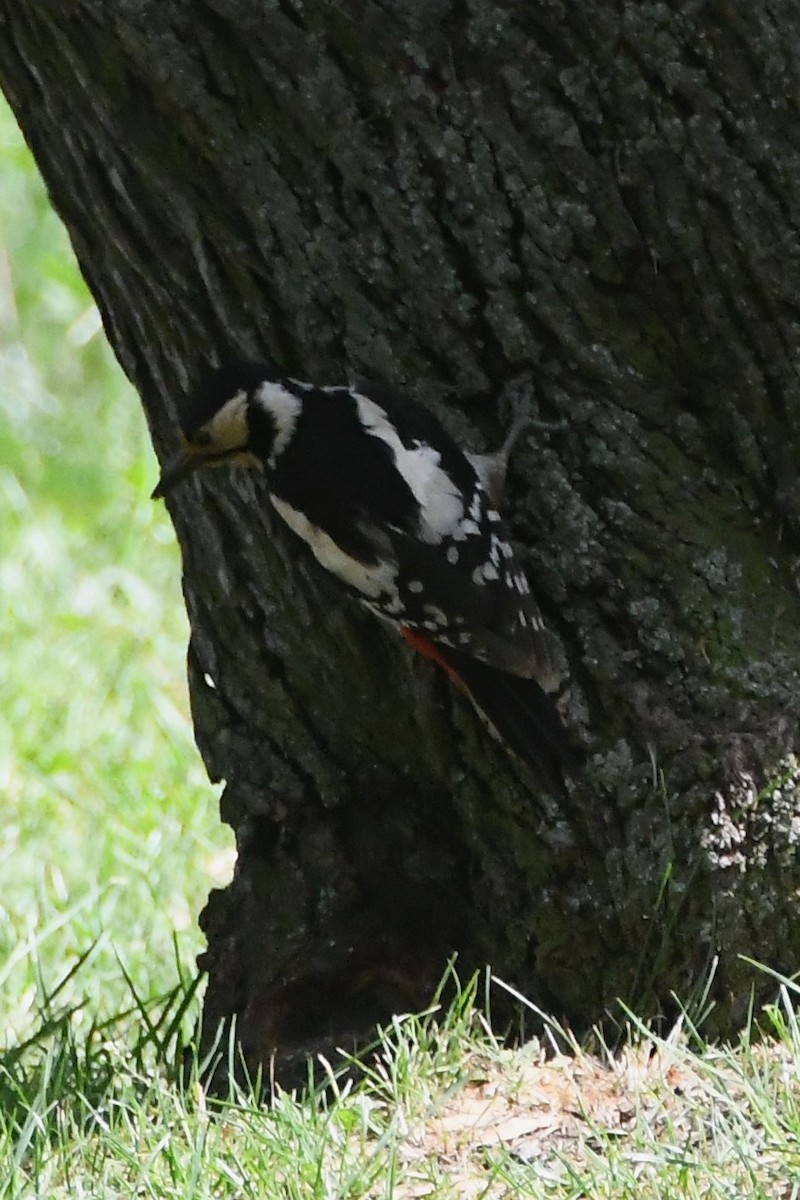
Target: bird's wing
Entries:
(494, 619)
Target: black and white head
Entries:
(240, 412)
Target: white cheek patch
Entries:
(227, 429)
(371, 581)
(441, 506)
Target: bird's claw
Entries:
(517, 401)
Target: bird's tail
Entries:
(522, 714)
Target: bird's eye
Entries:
(202, 438)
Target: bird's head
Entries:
(239, 413)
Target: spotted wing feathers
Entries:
(391, 506)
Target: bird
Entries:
(407, 521)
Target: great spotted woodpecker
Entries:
(389, 504)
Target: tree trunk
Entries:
(450, 195)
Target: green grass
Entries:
(110, 836)
(110, 841)
(444, 1112)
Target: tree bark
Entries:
(451, 195)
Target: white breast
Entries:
(371, 581)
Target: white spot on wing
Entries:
(452, 555)
(484, 573)
(435, 614)
(464, 529)
(416, 587)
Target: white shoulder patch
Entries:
(441, 504)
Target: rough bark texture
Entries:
(448, 195)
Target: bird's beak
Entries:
(178, 467)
